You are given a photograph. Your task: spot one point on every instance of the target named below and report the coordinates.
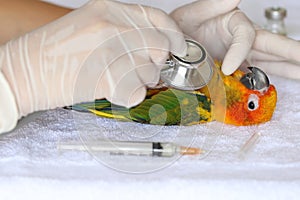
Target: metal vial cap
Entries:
(190, 72)
(276, 13)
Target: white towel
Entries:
(32, 167)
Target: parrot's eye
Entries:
(253, 102)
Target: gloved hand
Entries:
(229, 35)
(105, 49)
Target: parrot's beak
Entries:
(256, 79)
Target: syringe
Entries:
(161, 149)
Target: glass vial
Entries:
(275, 20)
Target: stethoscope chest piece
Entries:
(190, 72)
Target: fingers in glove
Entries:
(258, 55)
(168, 27)
(147, 71)
(128, 65)
(148, 52)
(146, 42)
(243, 34)
(201, 11)
(121, 84)
(285, 69)
(87, 76)
(278, 45)
(102, 69)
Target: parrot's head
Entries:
(250, 98)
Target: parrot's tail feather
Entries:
(104, 108)
(108, 115)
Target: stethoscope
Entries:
(196, 68)
(191, 72)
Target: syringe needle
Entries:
(249, 144)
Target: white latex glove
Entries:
(105, 49)
(229, 35)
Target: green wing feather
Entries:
(161, 107)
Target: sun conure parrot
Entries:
(239, 99)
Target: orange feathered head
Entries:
(250, 99)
